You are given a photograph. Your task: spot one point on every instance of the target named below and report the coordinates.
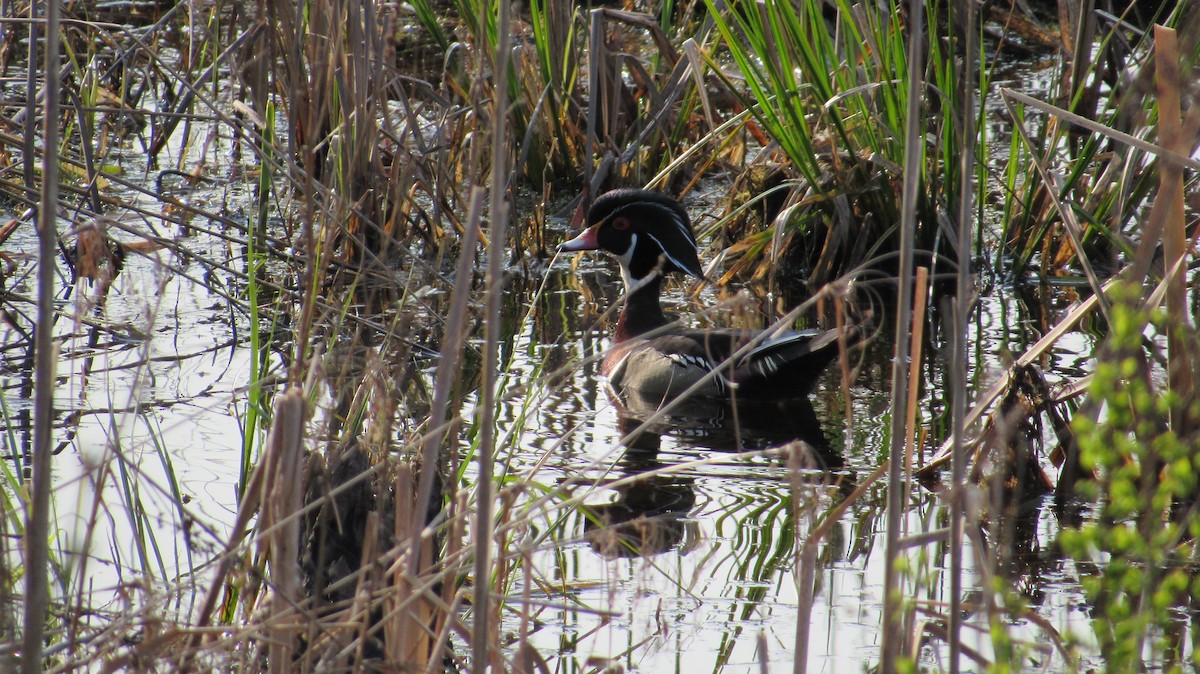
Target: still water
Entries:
(675, 550)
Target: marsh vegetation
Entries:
(294, 380)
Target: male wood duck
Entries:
(650, 235)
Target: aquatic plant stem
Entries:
(596, 58)
(29, 145)
(807, 560)
(897, 486)
(1175, 239)
(37, 528)
(283, 497)
(498, 209)
(914, 370)
(255, 260)
(958, 338)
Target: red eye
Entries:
(620, 223)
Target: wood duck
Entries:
(650, 235)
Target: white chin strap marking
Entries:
(626, 259)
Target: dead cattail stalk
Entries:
(897, 486)
(361, 606)
(453, 339)
(412, 623)
(487, 627)
(282, 498)
(839, 321)
(1175, 243)
(958, 341)
(602, 90)
(397, 633)
(451, 596)
(37, 528)
(914, 370)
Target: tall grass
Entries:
(1104, 180)
(829, 88)
(379, 400)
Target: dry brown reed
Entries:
(349, 547)
(37, 527)
(893, 611)
(1172, 154)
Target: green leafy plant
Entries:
(1138, 569)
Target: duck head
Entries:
(648, 233)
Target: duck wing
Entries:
(782, 366)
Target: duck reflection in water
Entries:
(725, 425)
(650, 514)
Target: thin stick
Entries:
(453, 339)
(282, 497)
(597, 57)
(806, 571)
(498, 208)
(914, 368)
(1096, 127)
(29, 138)
(1175, 244)
(958, 339)
(897, 487)
(37, 528)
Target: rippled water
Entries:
(717, 584)
(711, 505)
